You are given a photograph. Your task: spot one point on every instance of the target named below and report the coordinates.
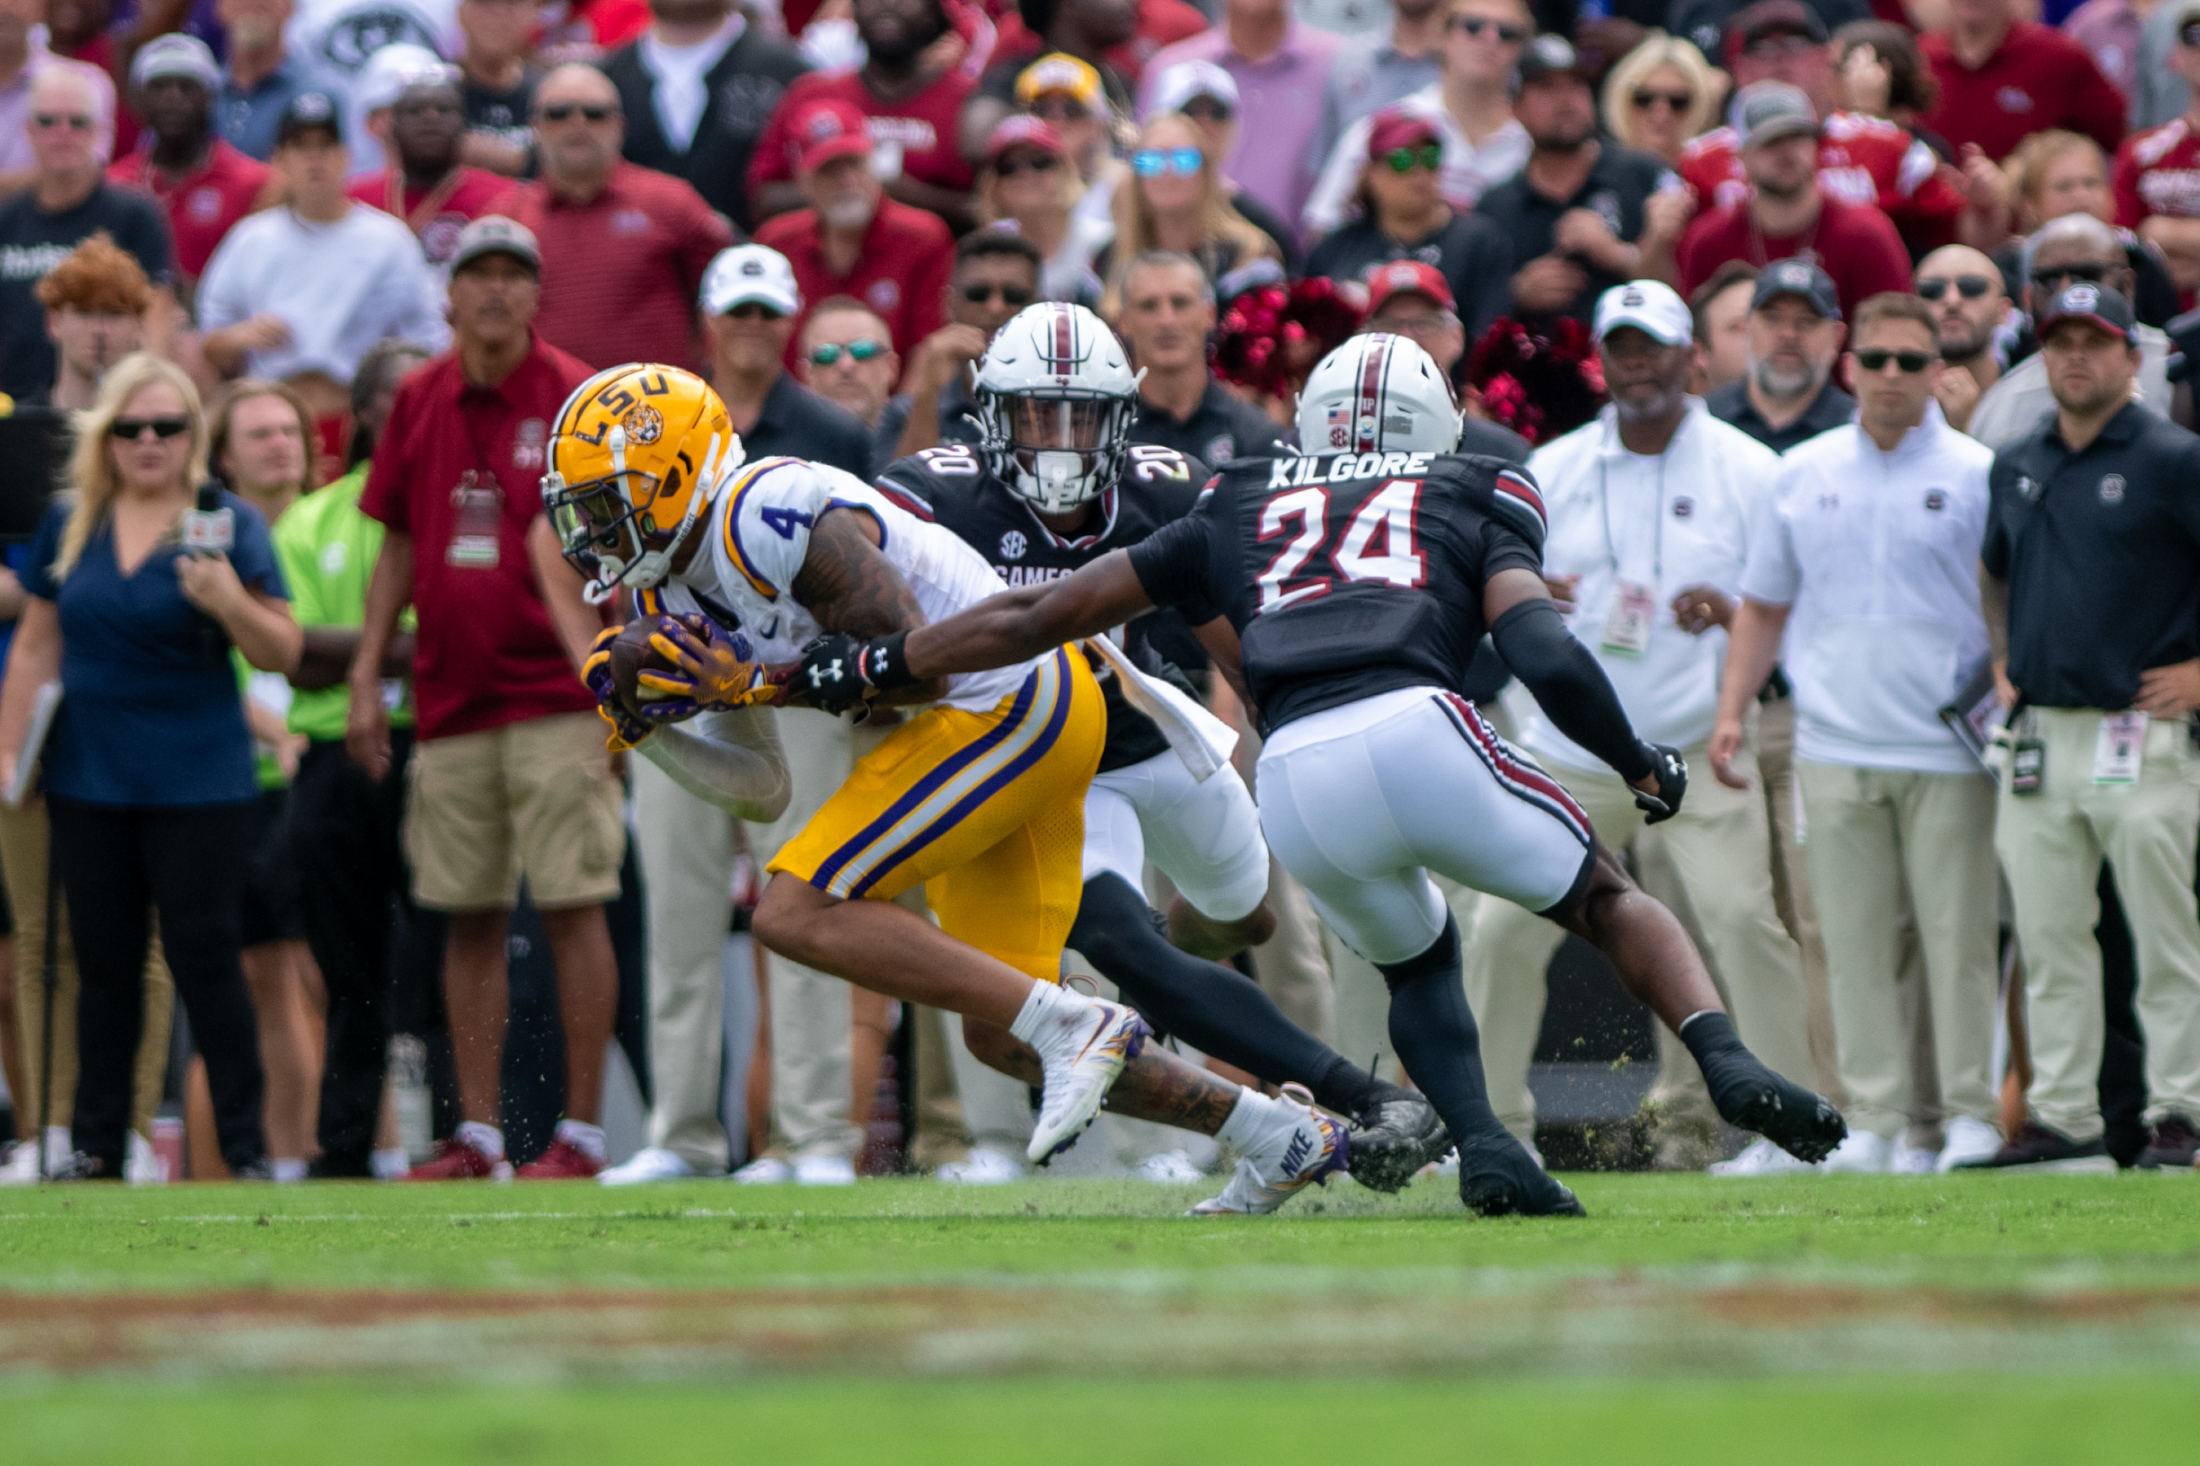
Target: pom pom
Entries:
(1542, 382)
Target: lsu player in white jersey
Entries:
(978, 796)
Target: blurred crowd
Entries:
(284, 823)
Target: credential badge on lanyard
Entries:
(479, 518)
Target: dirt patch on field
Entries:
(1613, 1326)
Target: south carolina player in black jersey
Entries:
(1055, 486)
(1345, 592)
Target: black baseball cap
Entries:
(307, 111)
(1550, 54)
(2097, 304)
(1798, 278)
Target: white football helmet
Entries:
(1378, 393)
(1056, 399)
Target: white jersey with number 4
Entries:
(758, 536)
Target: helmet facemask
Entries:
(1058, 450)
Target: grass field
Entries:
(1974, 1318)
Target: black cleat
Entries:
(1394, 1138)
(2041, 1148)
(1504, 1180)
(1803, 1124)
(2171, 1142)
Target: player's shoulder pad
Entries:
(1502, 489)
(931, 477)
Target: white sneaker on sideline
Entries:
(1083, 1056)
(982, 1167)
(1968, 1140)
(141, 1165)
(22, 1165)
(1914, 1160)
(824, 1170)
(649, 1164)
(1861, 1154)
(1760, 1158)
(1169, 1168)
(766, 1170)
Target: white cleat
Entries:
(766, 1170)
(824, 1170)
(982, 1167)
(1297, 1154)
(1170, 1168)
(22, 1166)
(1083, 1058)
(1761, 1158)
(646, 1166)
(1861, 1153)
(1968, 1140)
(1914, 1160)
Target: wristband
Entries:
(884, 663)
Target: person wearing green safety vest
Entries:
(345, 823)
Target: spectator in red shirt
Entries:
(1788, 214)
(201, 183)
(624, 247)
(2157, 175)
(414, 108)
(2003, 79)
(910, 100)
(509, 776)
(853, 239)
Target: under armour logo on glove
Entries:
(1671, 772)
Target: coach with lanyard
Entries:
(1651, 507)
(2094, 509)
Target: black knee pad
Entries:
(1440, 959)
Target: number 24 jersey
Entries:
(1347, 575)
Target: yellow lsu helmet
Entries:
(634, 462)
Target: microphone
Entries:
(210, 528)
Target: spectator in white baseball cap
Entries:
(202, 184)
(751, 305)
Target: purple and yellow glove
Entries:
(714, 672)
(626, 730)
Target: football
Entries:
(632, 654)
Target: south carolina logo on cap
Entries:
(752, 267)
(1632, 298)
(2082, 298)
(822, 125)
(1795, 276)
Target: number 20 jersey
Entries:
(1347, 575)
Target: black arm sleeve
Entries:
(1569, 685)
(1172, 563)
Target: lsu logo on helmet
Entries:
(635, 461)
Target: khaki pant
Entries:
(1721, 849)
(25, 845)
(2051, 846)
(687, 849)
(1876, 836)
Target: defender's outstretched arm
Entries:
(1019, 624)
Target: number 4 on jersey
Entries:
(783, 520)
(1378, 543)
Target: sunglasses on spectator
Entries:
(1405, 160)
(753, 310)
(74, 121)
(1911, 362)
(1207, 109)
(863, 348)
(1153, 162)
(1475, 25)
(2092, 272)
(1059, 108)
(1015, 295)
(1970, 287)
(131, 429)
(1773, 47)
(1035, 163)
(588, 112)
(2190, 35)
(1678, 101)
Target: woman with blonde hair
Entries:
(1175, 199)
(1030, 184)
(147, 767)
(1660, 95)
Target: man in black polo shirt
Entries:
(1787, 396)
(2091, 589)
(749, 302)
(1168, 311)
(1583, 215)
